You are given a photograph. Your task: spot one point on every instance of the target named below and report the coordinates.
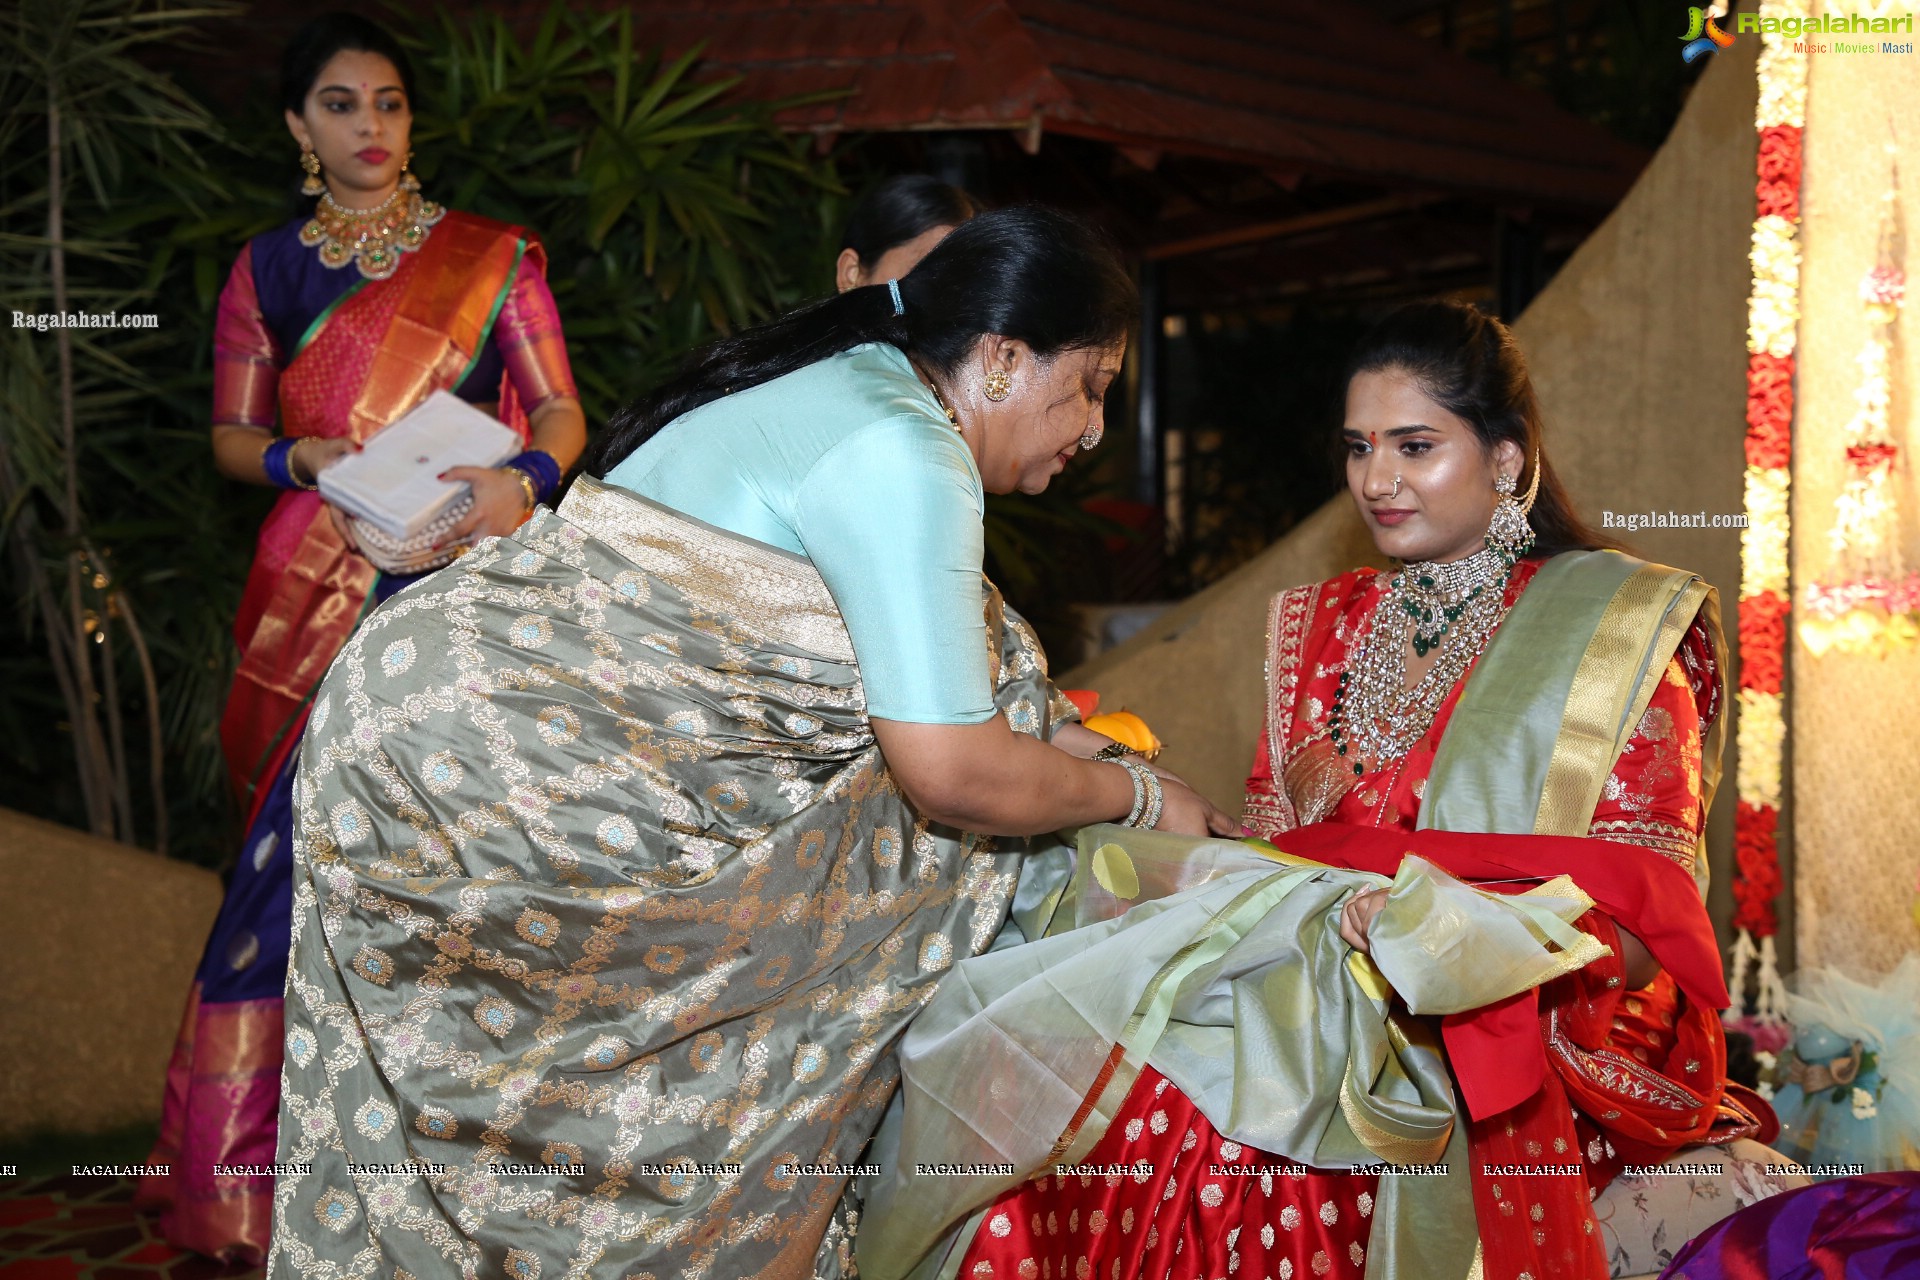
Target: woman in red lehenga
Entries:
(1586, 743)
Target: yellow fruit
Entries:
(1124, 726)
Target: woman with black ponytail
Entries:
(628, 845)
(896, 224)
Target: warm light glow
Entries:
(1866, 601)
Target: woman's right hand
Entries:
(1186, 812)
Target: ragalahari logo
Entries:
(1699, 46)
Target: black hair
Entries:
(314, 45)
(1470, 364)
(903, 208)
(1030, 273)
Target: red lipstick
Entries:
(373, 155)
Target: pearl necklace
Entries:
(1374, 713)
(372, 239)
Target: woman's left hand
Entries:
(499, 502)
(1357, 917)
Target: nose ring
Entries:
(1396, 488)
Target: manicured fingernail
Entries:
(441, 476)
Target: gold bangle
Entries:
(526, 483)
(293, 452)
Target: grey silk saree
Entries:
(607, 914)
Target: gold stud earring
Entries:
(999, 385)
(310, 162)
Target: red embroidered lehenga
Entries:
(1617, 1076)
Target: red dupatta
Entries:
(377, 352)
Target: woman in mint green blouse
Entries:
(628, 845)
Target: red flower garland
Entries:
(1777, 193)
(1763, 615)
(1763, 639)
(1866, 458)
(1756, 857)
(1769, 410)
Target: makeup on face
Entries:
(357, 121)
(1443, 498)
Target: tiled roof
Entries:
(1291, 87)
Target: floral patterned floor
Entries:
(67, 1228)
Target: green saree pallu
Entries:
(607, 914)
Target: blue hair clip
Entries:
(899, 307)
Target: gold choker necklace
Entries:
(372, 239)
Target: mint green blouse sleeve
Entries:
(890, 517)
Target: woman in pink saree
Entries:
(330, 327)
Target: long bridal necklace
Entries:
(1454, 607)
(372, 239)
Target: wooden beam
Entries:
(1298, 225)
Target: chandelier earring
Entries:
(310, 163)
(407, 181)
(1508, 533)
(999, 385)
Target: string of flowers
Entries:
(1871, 602)
(1773, 322)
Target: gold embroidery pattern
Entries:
(1287, 622)
(1669, 839)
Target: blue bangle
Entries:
(540, 467)
(279, 470)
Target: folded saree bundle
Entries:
(1222, 962)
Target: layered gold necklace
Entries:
(1453, 607)
(372, 239)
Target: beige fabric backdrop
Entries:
(94, 976)
(1854, 720)
(1638, 350)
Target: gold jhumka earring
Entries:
(310, 162)
(407, 181)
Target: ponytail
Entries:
(748, 358)
(1029, 273)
